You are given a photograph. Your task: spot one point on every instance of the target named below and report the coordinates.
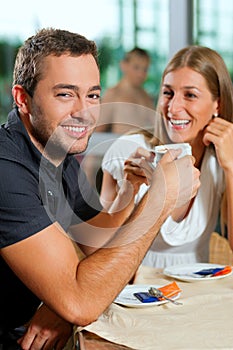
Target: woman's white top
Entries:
(177, 242)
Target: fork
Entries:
(158, 294)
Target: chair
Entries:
(219, 250)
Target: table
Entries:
(90, 341)
(204, 321)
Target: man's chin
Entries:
(79, 147)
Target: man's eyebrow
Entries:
(66, 86)
(74, 87)
(96, 87)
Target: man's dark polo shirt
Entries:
(33, 195)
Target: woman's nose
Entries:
(175, 104)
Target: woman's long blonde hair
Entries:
(212, 67)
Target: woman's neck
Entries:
(198, 150)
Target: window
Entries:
(213, 27)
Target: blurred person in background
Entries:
(115, 117)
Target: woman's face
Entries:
(186, 104)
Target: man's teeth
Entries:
(179, 121)
(75, 128)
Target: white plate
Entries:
(185, 272)
(127, 298)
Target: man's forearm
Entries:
(116, 264)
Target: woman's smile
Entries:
(186, 104)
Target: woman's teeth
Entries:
(179, 122)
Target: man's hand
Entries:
(46, 331)
(178, 179)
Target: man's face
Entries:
(65, 106)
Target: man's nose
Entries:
(81, 108)
(81, 104)
(84, 111)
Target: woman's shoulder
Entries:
(125, 145)
(130, 142)
(135, 138)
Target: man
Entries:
(44, 198)
(127, 105)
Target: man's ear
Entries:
(21, 98)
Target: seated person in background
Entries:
(47, 205)
(121, 117)
(195, 106)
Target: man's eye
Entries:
(94, 96)
(63, 94)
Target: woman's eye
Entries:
(167, 93)
(190, 95)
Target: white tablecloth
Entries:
(204, 321)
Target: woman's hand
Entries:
(220, 133)
(138, 168)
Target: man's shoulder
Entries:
(11, 137)
(146, 99)
(9, 148)
(16, 153)
(6, 142)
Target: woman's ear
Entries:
(21, 98)
(218, 107)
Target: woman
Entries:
(195, 106)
